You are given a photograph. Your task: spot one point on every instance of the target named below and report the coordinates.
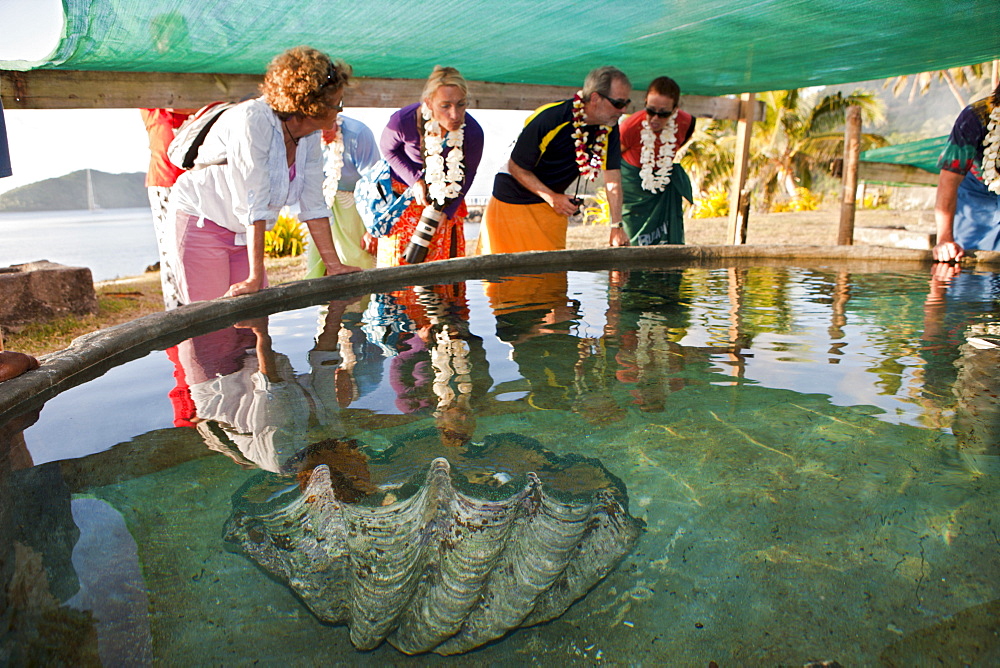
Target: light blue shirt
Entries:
(360, 152)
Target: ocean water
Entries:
(113, 243)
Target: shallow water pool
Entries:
(812, 454)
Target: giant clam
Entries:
(440, 568)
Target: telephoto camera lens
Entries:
(416, 251)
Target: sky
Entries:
(46, 143)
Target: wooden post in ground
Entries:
(849, 190)
(739, 198)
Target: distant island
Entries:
(73, 192)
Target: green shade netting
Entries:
(923, 154)
(710, 47)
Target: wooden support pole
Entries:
(739, 198)
(852, 149)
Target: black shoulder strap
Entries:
(192, 152)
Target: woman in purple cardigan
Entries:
(434, 148)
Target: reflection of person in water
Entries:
(534, 317)
(248, 401)
(974, 350)
(977, 389)
(358, 367)
(37, 577)
(439, 363)
(647, 315)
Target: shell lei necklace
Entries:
(442, 185)
(991, 152)
(590, 163)
(655, 170)
(333, 164)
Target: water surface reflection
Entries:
(813, 455)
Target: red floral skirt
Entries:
(448, 241)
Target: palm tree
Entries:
(708, 156)
(969, 76)
(800, 135)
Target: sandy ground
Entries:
(809, 228)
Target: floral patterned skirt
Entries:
(448, 241)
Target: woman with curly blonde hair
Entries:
(260, 156)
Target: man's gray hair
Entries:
(599, 81)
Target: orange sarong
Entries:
(512, 228)
(527, 292)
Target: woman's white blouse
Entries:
(241, 174)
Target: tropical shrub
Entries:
(286, 238)
(713, 205)
(804, 200)
(877, 199)
(598, 213)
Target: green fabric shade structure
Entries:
(923, 154)
(711, 47)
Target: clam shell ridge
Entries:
(439, 571)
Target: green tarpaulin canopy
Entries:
(923, 154)
(711, 47)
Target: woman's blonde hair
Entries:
(303, 81)
(443, 76)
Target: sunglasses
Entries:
(660, 114)
(331, 74)
(615, 102)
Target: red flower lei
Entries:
(590, 163)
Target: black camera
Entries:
(416, 250)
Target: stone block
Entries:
(894, 237)
(39, 291)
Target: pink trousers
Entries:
(209, 259)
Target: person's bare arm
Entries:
(558, 201)
(319, 230)
(946, 249)
(255, 251)
(613, 188)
